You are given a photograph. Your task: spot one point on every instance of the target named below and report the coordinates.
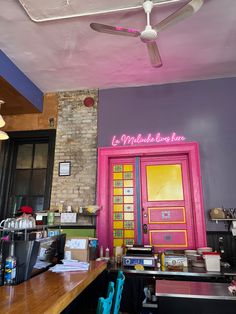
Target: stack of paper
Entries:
(70, 265)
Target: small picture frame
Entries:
(64, 168)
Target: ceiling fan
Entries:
(150, 33)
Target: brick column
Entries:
(76, 141)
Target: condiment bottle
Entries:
(1, 269)
(118, 259)
(158, 261)
(101, 251)
(163, 261)
(10, 267)
(107, 253)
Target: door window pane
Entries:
(164, 182)
(41, 155)
(24, 156)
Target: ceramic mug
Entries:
(2, 223)
(23, 223)
(9, 223)
(31, 222)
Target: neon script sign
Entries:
(125, 139)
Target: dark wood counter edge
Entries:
(51, 304)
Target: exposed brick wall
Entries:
(76, 141)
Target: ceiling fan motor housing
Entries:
(149, 34)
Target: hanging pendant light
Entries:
(3, 135)
(2, 122)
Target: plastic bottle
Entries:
(158, 261)
(107, 253)
(50, 216)
(163, 261)
(1, 269)
(10, 267)
(69, 209)
(101, 251)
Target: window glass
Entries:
(15, 203)
(36, 203)
(38, 182)
(30, 162)
(24, 156)
(21, 182)
(41, 155)
(164, 183)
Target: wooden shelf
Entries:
(227, 221)
(224, 219)
(58, 214)
(76, 226)
(45, 214)
(86, 214)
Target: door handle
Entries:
(145, 229)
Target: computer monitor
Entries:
(51, 249)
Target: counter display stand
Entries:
(29, 233)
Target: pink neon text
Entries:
(125, 139)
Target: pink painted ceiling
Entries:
(64, 53)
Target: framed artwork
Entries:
(64, 168)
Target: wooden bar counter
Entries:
(47, 292)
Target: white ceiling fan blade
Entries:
(154, 54)
(114, 30)
(187, 10)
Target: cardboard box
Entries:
(77, 248)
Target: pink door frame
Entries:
(191, 149)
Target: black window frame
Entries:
(8, 160)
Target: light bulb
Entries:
(3, 135)
(2, 122)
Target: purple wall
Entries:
(202, 111)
